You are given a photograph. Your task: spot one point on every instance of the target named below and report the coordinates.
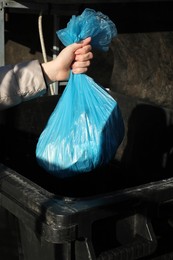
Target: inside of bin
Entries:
(145, 153)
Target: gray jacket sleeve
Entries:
(20, 82)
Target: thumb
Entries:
(86, 41)
(77, 45)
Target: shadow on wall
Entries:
(148, 151)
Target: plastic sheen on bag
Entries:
(89, 24)
(86, 126)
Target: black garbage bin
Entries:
(104, 214)
(56, 227)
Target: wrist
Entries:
(46, 73)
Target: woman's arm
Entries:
(26, 80)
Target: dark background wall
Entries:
(139, 62)
(138, 68)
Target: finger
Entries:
(79, 64)
(84, 57)
(84, 49)
(79, 45)
(86, 41)
(79, 70)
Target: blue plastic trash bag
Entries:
(89, 24)
(86, 126)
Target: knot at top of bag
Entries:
(92, 24)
